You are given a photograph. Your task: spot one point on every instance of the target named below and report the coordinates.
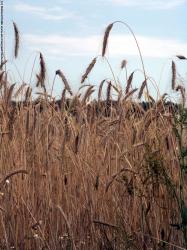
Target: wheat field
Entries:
(85, 173)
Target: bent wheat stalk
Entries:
(65, 81)
(89, 69)
(105, 42)
(19, 171)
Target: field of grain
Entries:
(91, 174)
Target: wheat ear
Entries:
(17, 39)
(105, 39)
(88, 70)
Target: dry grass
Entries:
(112, 170)
(105, 39)
(173, 75)
(88, 70)
(41, 77)
(65, 81)
(90, 174)
(17, 39)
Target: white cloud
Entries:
(119, 45)
(151, 4)
(53, 13)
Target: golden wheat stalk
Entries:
(20, 90)
(42, 74)
(9, 94)
(63, 97)
(142, 89)
(182, 90)
(151, 99)
(123, 64)
(1, 75)
(100, 89)
(88, 93)
(173, 67)
(108, 92)
(65, 81)
(129, 81)
(130, 93)
(17, 39)
(28, 94)
(19, 171)
(105, 39)
(70, 232)
(88, 70)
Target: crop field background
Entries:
(92, 173)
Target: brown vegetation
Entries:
(81, 174)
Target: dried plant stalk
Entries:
(28, 94)
(65, 81)
(182, 90)
(108, 92)
(151, 99)
(88, 93)
(88, 70)
(19, 171)
(1, 75)
(63, 97)
(173, 75)
(105, 39)
(9, 93)
(17, 39)
(100, 89)
(2, 64)
(20, 89)
(181, 57)
(123, 64)
(129, 81)
(42, 75)
(130, 93)
(142, 88)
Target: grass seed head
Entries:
(17, 39)
(88, 70)
(105, 39)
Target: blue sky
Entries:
(69, 34)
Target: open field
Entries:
(103, 174)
